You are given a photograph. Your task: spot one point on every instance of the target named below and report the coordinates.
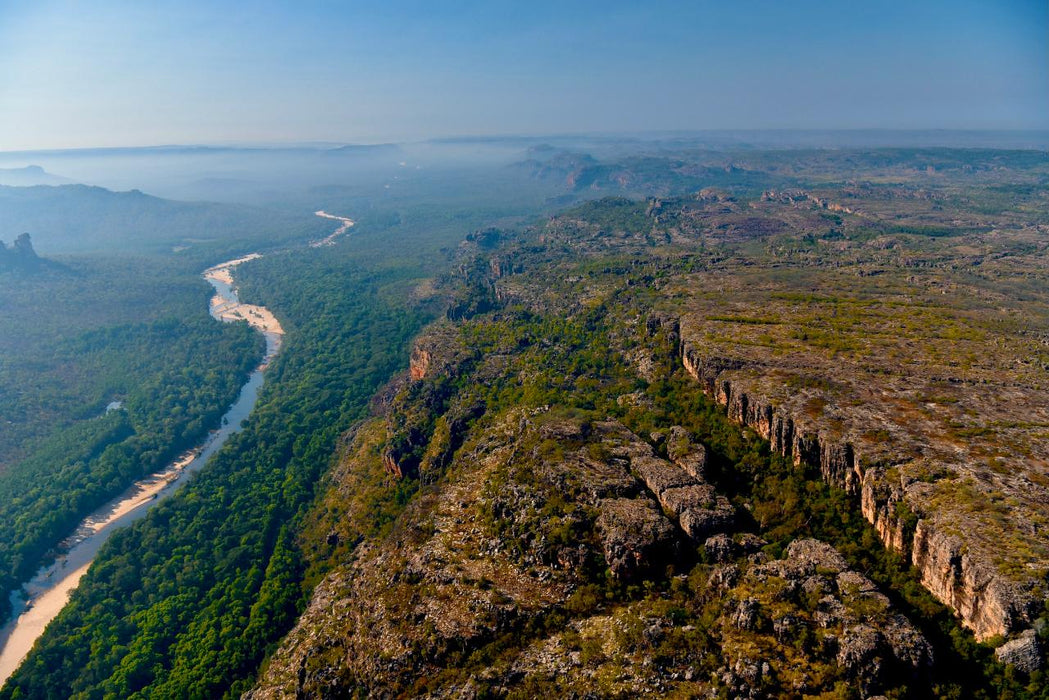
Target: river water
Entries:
(46, 594)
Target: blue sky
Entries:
(105, 72)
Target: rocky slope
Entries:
(580, 521)
(492, 583)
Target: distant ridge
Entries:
(29, 176)
(81, 218)
(780, 138)
(366, 149)
(176, 149)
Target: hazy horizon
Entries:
(762, 137)
(114, 73)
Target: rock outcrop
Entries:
(20, 255)
(1024, 652)
(699, 509)
(634, 536)
(986, 601)
(687, 454)
(524, 518)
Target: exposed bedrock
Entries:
(973, 588)
(812, 591)
(881, 503)
(701, 512)
(635, 536)
(987, 602)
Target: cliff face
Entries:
(982, 597)
(951, 565)
(419, 363)
(438, 352)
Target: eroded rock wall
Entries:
(986, 602)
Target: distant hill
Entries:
(29, 176)
(559, 165)
(366, 149)
(648, 174)
(79, 219)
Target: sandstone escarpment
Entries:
(882, 504)
(920, 497)
(985, 600)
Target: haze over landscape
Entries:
(408, 349)
(107, 73)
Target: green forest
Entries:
(78, 338)
(189, 601)
(191, 597)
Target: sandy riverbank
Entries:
(143, 490)
(57, 581)
(258, 317)
(330, 240)
(229, 264)
(31, 623)
(48, 591)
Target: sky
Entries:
(115, 73)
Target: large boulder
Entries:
(636, 537)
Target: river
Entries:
(345, 225)
(43, 597)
